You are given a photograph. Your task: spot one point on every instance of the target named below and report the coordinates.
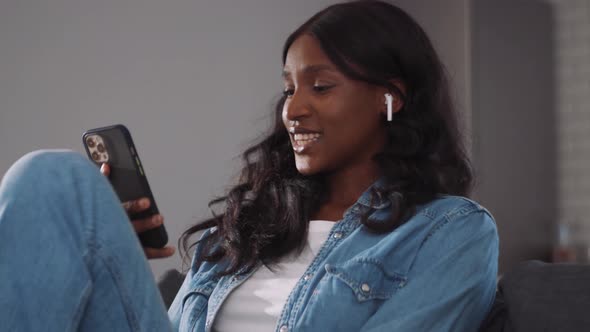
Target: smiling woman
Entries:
(340, 210)
(350, 215)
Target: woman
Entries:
(343, 220)
(349, 216)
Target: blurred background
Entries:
(195, 81)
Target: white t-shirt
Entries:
(256, 304)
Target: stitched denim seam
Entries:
(382, 267)
(345, 227)
(429, 213)
(194, 317)
(462, 210)
(203, 291)
(77, 317)
(125, 299)
(354, 284)
(313, 268)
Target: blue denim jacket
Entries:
(436, 272)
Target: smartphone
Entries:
(114, 145)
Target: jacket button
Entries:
(307, 277)
(365, 288)
(284, 328)
(337, 235)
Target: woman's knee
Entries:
(38, 169)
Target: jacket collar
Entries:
(372, 197)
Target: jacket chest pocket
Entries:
(367, 279)
(355, 290)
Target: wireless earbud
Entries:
(389, 102)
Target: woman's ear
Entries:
(398, 97)
(398, 100)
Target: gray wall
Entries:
(193, 80)
(514, 124)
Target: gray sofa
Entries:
(535, 296)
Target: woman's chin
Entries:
(304, 167)
(306, 171)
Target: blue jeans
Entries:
(69, 257)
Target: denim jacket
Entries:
(436, 272)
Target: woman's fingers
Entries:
(146, 224)
(158, 252)
(136, 206)
(142, 225)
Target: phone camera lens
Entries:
(90, 142)
(100, 147)
(95, 156)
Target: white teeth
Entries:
(306, 137)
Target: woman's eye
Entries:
(288, 92)
(321, 88)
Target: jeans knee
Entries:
(42, 166)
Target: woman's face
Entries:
(334, 122)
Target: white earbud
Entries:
(389, 102)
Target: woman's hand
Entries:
(142, 225)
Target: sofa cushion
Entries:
(538, 296)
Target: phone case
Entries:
(127, 175)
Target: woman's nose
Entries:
(296, 107)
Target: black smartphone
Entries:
(114, 145)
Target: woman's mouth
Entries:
(303, 142)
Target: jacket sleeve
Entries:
(175, 310)
(452, 282)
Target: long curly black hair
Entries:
(265, 215)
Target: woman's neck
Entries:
(344, 189)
